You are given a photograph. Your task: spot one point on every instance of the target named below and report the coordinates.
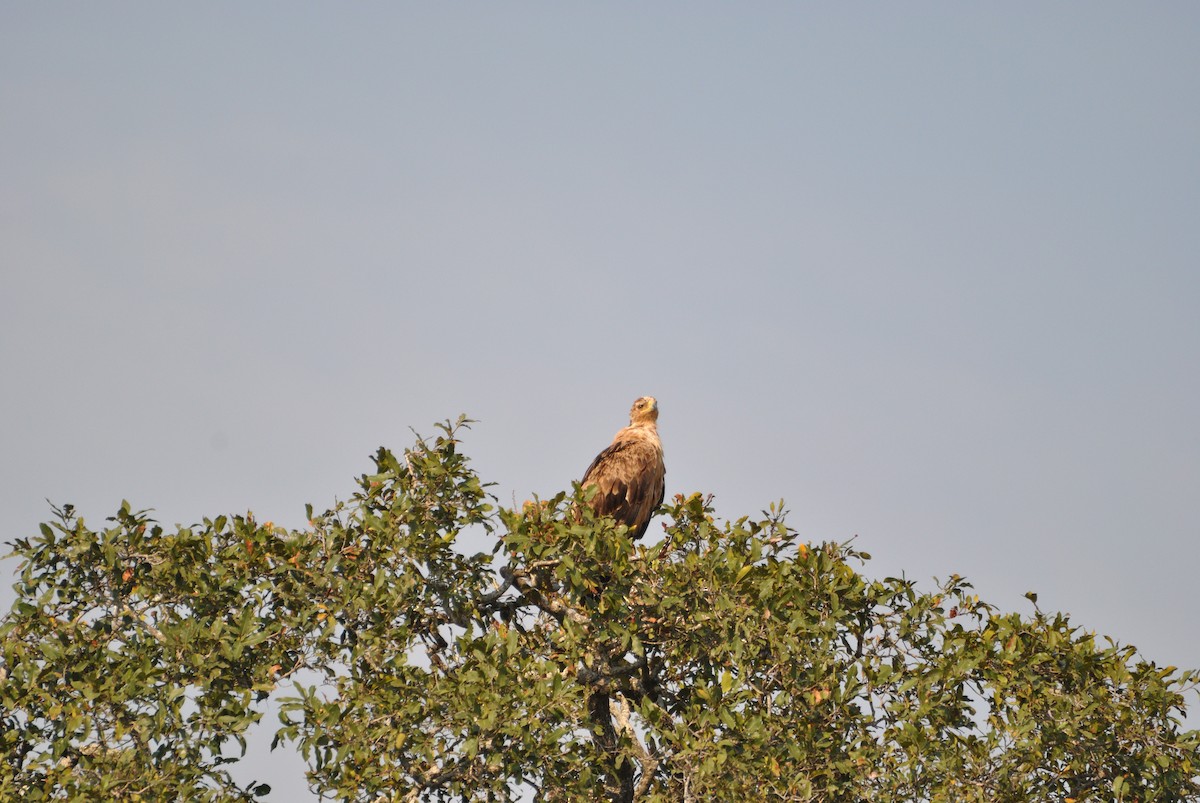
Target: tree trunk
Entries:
(618, 780)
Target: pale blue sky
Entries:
(930, 272)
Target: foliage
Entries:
(728, 661)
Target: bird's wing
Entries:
(629, 482)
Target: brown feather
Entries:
(629, 474)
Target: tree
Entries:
(728, 661)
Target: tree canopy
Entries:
(731, 660)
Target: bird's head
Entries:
(644, 410)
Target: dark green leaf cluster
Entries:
(728, 661)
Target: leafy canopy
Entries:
(728, 661)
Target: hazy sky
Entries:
(930, 272)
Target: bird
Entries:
(629, 475)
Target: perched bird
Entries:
(629, 475)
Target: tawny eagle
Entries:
(629, 475)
